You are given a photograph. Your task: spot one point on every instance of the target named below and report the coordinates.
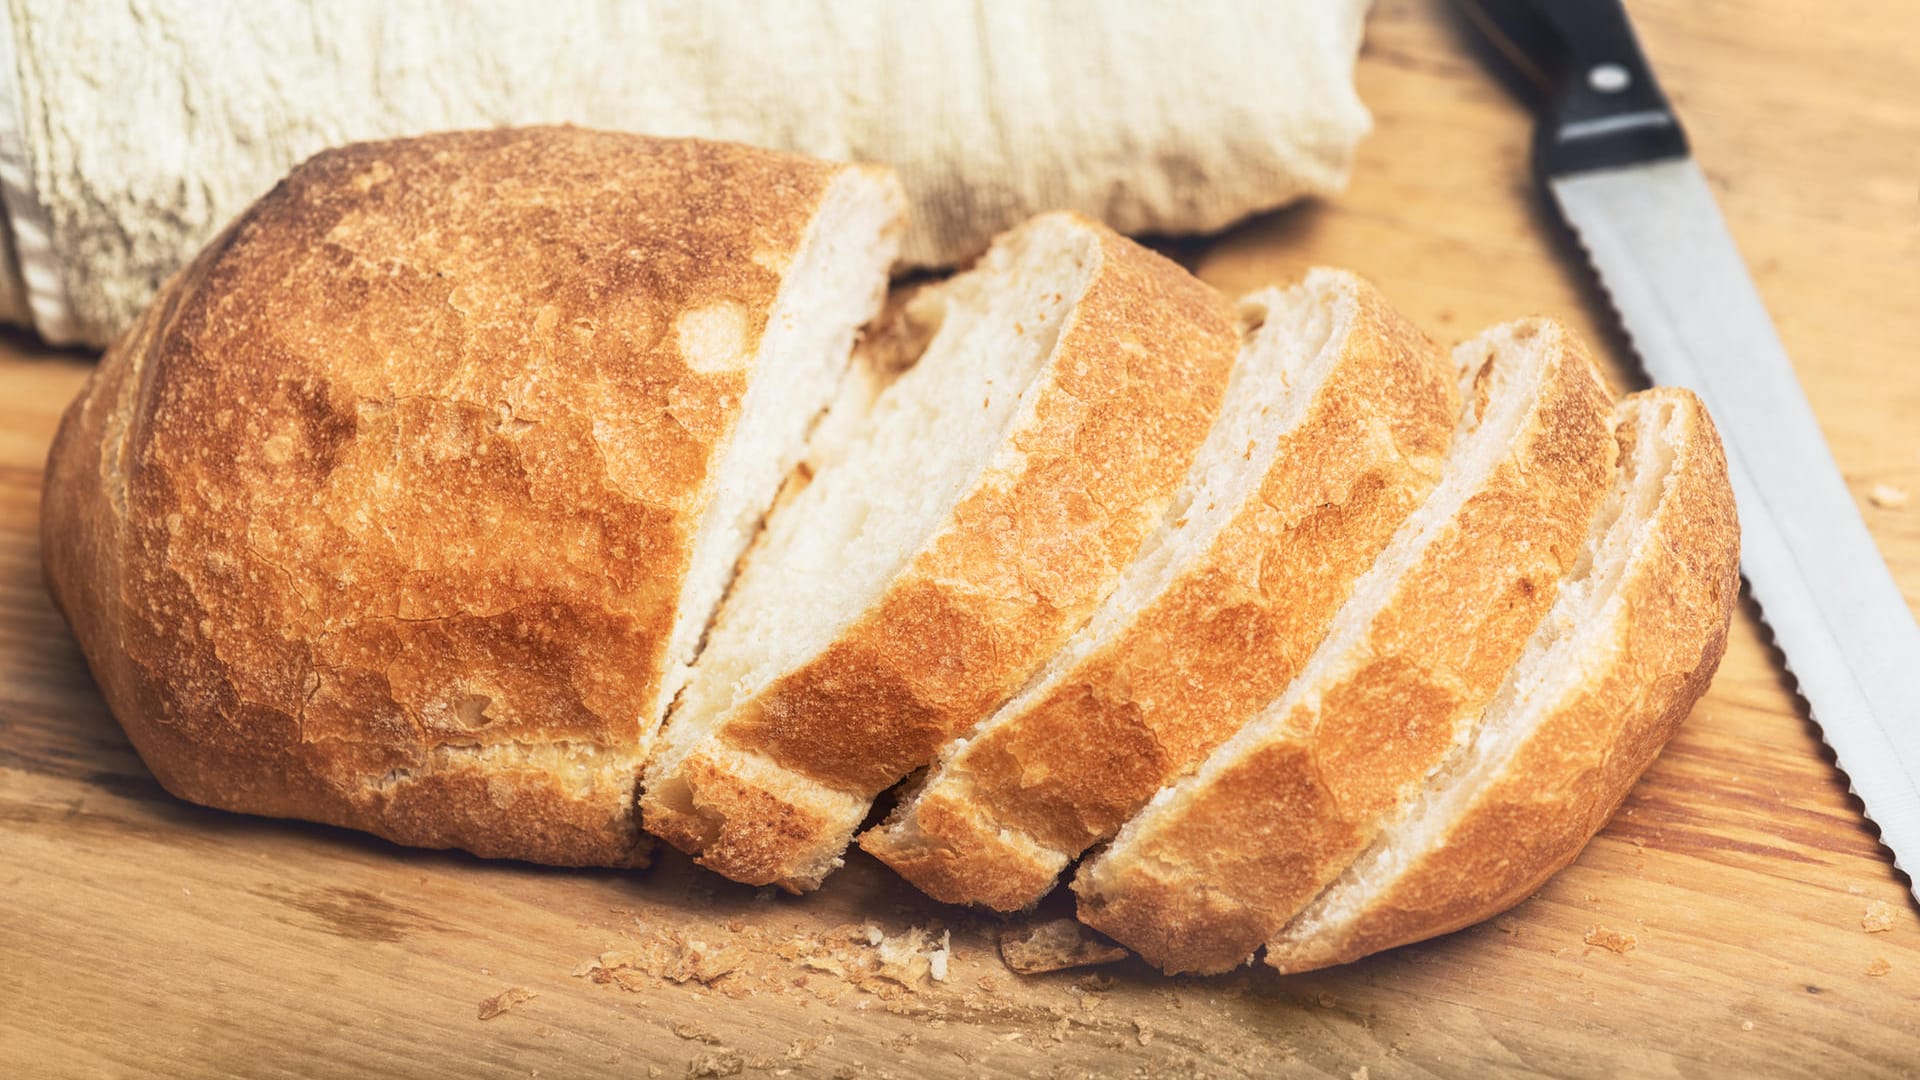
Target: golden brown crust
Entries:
(407, 466)
(726, 810)
(1019, 563)
(954, 851)
(1574, 769)
(1071, 766)
(1255, 838)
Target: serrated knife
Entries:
(1610, 150)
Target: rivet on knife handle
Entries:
(1602, 107)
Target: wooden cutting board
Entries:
(140, 935)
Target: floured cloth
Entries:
(132, 130)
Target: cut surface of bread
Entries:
(1332, 431)
(1628, 647)
(1217, 862)
(396, 507)
(946, 544)
(883, 488)
(836, 284)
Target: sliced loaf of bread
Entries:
(1610, 673)
(1219, 861)
(945, 546)
(1332, 432)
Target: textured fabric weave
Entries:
(132, 130)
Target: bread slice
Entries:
(1629, 646)
(944, 548)
(1333, 429)
(398, 508)
(837, 282)
(1219, 861)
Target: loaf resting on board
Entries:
(528, 491)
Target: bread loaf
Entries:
(1629, 646)
(948, 547)
(420, 498)
(400, 506)
(1334, 425)
(1219, 861)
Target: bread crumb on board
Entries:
(1887, 497)
(1618, 941)
(746, 960)
(721, 1064)
(504, 1000)
(1746, 1025)
(1878, 966)
(676, 958)
(1878, 918)
(1055, 945)
(911, 958)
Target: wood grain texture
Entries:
(143, 936)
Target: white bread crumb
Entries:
(1887, 497)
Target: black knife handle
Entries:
(1600, 105)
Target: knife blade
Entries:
(1612, 154)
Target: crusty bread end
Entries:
(1614, 669)
(382, 513)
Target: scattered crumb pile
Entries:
(1612, 940)
(912, 972)
(908, 960)
(863, 956)
(1878, 966)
